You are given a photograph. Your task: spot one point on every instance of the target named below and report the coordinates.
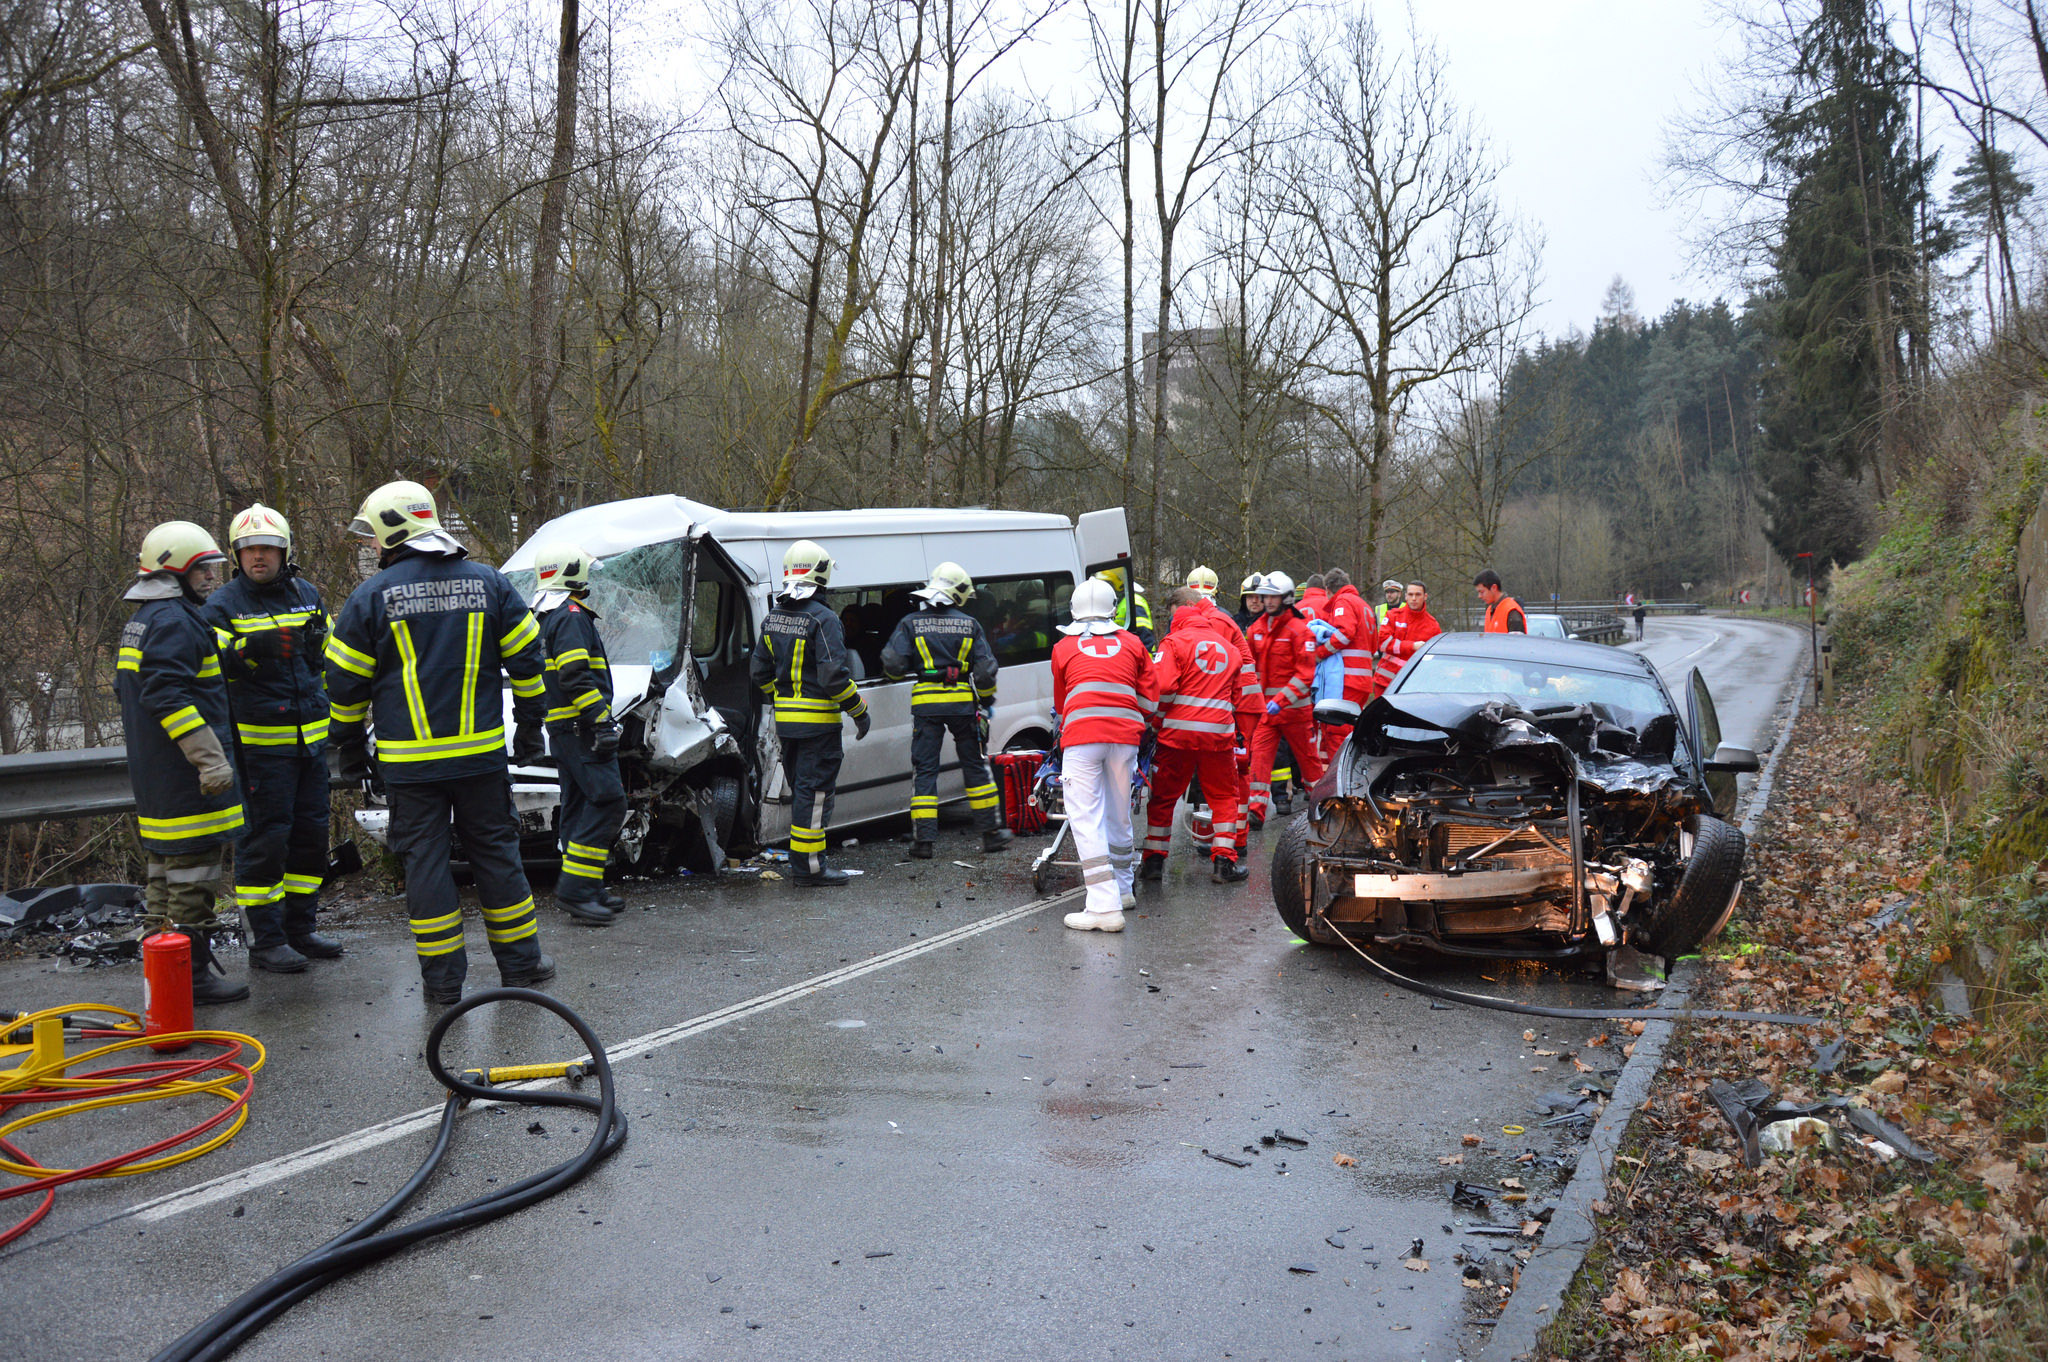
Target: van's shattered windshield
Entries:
(638, 597)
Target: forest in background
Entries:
(279, 250)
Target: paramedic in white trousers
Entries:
(1106, 695)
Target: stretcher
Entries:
(1047, 796)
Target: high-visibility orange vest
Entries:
(1497, 615)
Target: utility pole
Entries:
(1812, 622)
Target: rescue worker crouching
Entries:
(271, 623)
(174, 715)
(419, 651)
(946, 650)
(1104, 694)
(582, 733)
(800, 661)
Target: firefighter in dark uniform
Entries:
(419, 650)
(270, 622)
(174, 714)
(801, 663)
(945, 649)
(581, 732)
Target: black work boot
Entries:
(811, 872)
(210, 983)
(920, 849)
(267, 948)
(1283, 803)
(1152, 867)
(526, 976)
(1226, 870)
(610, 899)
(298, 929)
(995, 839)
(589, 912)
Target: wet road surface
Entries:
(911, 1118)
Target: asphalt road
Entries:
(971, 1134)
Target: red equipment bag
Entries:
(1016, 773)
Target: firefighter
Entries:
(1199, 678)
(1354, 633)
(582, 732)
(419, 651)
(271, 621)
(1248, 607)
(946, 649)
(801, 663)
(1503, 612)
(1285, 653)
(174, 713)
(1202, 581)
(1391, 592)
(1408, 628)
(1116, 577)
(1104, 694)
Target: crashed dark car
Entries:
(1523, 797)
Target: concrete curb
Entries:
(1573, 1230)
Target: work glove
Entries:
(527, 748)
(1272, 707)
(202, 748)
(861, 724)
(268, 645)
(314, 637)
(604, 739)
(349, 760)
(952, 676)
(981, 717)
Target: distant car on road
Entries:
(1547, 626)
(1521, 796)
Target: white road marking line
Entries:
(384, 1132)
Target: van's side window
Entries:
(868, 615)
(1022, 614)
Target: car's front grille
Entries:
(1522, 849)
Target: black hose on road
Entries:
(361, 1244)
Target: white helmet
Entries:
(1093, 607)
(806, 569)
(563, 567)
(950, 585)
(1203, 580)
(1249, 586)
(397, 513)
(176, 547)
(1275, 584)
(260, 527)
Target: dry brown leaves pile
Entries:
(1820, 1253)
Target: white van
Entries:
(684, 582)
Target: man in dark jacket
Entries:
(419, 650)
(582, 732)
(945, 648)
(800, 661)
(270, 621)
(174, 716)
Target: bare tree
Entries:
(543, 305)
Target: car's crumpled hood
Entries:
(1582, 740)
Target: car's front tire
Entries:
(1290, 876)
(1706, 892)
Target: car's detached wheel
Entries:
(1706, 892)
(1290, 876)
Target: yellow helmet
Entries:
(1249, 586)
(1114, 576)
(1203, 580)
(806, 568)
(396, 513)
(260, 527)
(563, 567)
(950, 585)
(176, 547)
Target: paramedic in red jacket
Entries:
(1199, 674)
(1251, 701)
(1285, 653)
(1408, 627)
(1105, 694)
(1356, 634)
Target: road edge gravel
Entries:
(1573, 1229)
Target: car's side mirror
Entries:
(1740, 760)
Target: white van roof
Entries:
(615, 526)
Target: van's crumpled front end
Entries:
(1471, 825)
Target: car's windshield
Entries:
(1532, 683)
(638, 598)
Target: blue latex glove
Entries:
(1272, 706)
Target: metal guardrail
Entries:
(86, 782)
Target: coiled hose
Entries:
(368, 1241)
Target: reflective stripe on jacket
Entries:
(1200, 674)
(1103, 687)
(1406, 631)
(168, 678)
(578, 678)
(800, 661)
(419, 650)
(276, 702)
(928, 643)
(1285, 654)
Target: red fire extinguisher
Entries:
(167, 987)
